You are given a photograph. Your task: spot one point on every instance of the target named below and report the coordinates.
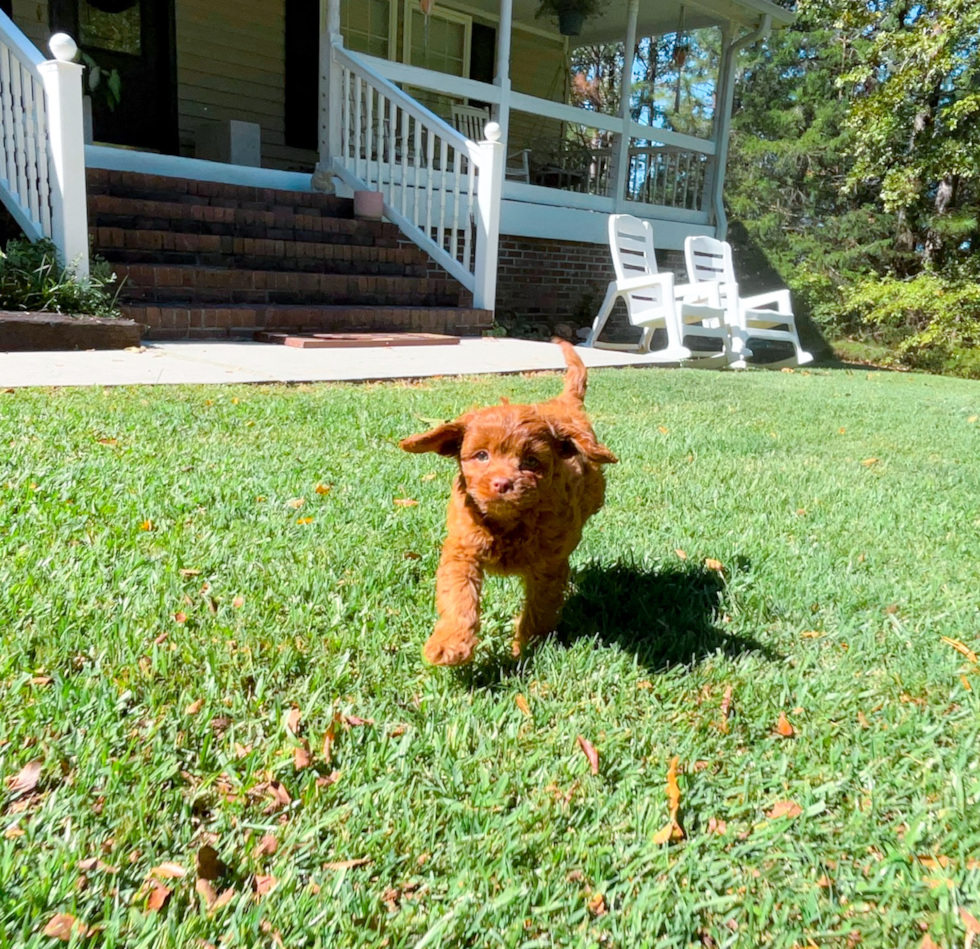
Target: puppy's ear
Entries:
(573, 440)
(443, 439)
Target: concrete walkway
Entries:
(216, 362)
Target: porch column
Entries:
(330, 94)
(502, 77)
(726, 99)
(622, 156)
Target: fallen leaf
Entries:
(645, 685)
(194, 707)
(347, 864)
(406, 502)
(158, 897)
(784, 809)
(397, 730)
(301, 756)
(326, 751)
(662, 429)
(190, 572)
(933, 863)
(411, 555)
(268, 845)
(162, 638)
(970, 921)
(672, 830)
(169, 871)
(352, 721)
(521, 703)
(146, 525)
(597, 905)
(589, 751)
(716, 826)
(27, 778)
(41, 680)
(293, 717)
(222, 900)
(714, 565)
(812, 634)
(207, 891)
(280, 797)
(63, 925)
(94, 863)
(323, 488)
(209, 865)
(726, 704)
(429, 477)
(960, 648)
(180, 617)
(973, 418)
(304, 520)
(783, 726)
(680, 553)
(238, 602)
(13, 831)
(966, 683)
(841, 431)
(263, 884)
(863, 720)
(296, 502)
(869, 462)
(326, 780)
(927, 943)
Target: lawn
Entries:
(198, 585)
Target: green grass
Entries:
(483, 825)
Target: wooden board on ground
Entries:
(347, 340)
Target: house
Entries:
(251, 100)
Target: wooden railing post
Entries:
(331, 97)
(488, 199)
(69, 208)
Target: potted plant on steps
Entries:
(571, 14)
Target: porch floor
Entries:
(210, 362)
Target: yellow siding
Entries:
(32, 17)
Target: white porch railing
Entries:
(668, 176)
(441, 189)
(42, 163)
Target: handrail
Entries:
(432, 80)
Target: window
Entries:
(369, 26)
(441, 44)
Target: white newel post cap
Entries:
(492, 132)
(63, 47)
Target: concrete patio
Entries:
(206, 363)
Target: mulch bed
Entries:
(23, 332)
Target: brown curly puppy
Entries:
(530, 476)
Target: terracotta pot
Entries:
(369, 205)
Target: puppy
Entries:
(529, 478)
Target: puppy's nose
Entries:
(501, 485)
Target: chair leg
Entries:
(601, 317)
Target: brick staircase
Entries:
(208, 260)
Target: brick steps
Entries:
(207, 260)
(177, 322)
(120, 245)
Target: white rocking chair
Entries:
(765, 316)
(653, 301)
(471, 121)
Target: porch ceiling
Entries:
(656, 16)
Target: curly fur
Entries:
(529, 478)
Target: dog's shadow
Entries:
(665, 617)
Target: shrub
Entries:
(33, 278)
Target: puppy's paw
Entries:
(449, 648)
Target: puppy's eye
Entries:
(481, 455)
(530, 463)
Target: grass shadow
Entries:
(665, 617)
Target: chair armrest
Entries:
(707, 292)
(646, 282)
(777, 298)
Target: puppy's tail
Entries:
(576, 377)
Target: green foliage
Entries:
(557, 7)
(33, 278)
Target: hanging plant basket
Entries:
(112, 6)
(570, 22)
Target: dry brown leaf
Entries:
(304, 520)
(302, 757)
(41, 680)
(280, 797)
(824, 881)
(406, 502)
(326, 780)
(63, 925)
(180, 617)
(970, 921)
(207, 891)
(352, 721)
(784, 809)
(713, 564)
(324, 488)
(347, 864)
(397, 730)
(783, 726)
(726, 705)
(13, 831)
(673, 788)
(158, 897)
(662, 429)
(927, 943)
(588, 749)
(162, 638)
(329, 736)
(645, 686)
(94, 863)
(263, 884)
(296, 502)
(169, 871)
(222, 900)
(966, 683)
(812, 634)
(209, 865)
(863, 720)
(194, 707)
(960, 648)
(597, 905)
(238, 602)
(680, 553)
(411, 555)
(869, 462)
(293, 717)
(27, 778)
(933, 863)
(268, 845)
(716, 826)
(189, 572)
(429, 477)
(521, 703)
